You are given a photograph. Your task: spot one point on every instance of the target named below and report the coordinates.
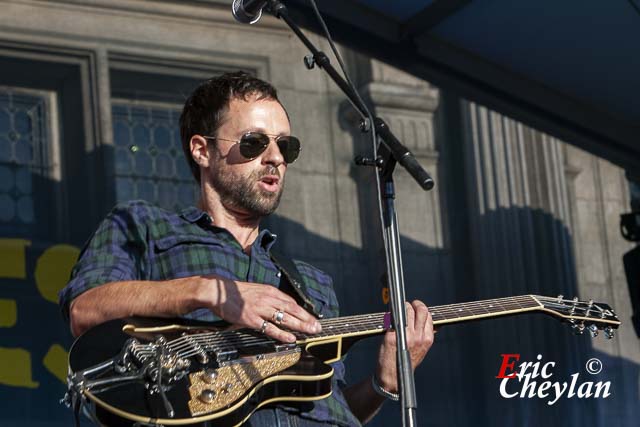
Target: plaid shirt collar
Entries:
(195, 215)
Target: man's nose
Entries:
(272, 154)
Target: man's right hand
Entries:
(251, 304)
(240, 303)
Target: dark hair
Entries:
(204, 109)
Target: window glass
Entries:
(25, 156)
(149, 163)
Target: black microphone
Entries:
(248, 11)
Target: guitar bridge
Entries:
(285, 346)
(225, 355)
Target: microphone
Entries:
(248, 11)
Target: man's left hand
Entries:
(420, 336)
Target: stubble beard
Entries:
(244, 193)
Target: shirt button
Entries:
(278, 274)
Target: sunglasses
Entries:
(252, 144)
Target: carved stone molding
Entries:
(407, 105)
(401, 96)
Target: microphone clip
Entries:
(309, 62)
(367, 161)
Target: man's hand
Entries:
(363, 400)
(240, 303)
(419, 339)
(250, 305)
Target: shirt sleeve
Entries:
(114, 253)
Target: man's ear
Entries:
(199, 150)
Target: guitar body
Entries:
(304, 378)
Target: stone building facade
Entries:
(89, 97)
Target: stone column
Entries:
(599, 194)
(407, 105)
(520, 242)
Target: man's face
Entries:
(252, 187)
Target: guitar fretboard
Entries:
(218, 342)
(227, 344)
(451, 313)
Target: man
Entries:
(213, 261)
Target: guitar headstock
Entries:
(582, 315)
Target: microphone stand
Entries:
(390, 151)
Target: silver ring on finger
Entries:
(278, 317)
(263, 328)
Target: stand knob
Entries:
(309, 62)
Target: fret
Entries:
(194, 344)
(482, 308)
(363, 324)
(479, 310)
(374, 323)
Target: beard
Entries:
(243, 192)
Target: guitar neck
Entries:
(580, 315)
(378, 323)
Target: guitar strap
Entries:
(293, 284)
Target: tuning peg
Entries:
(608, 332)
(560, 297)
(578, 328)
(593, 330)
(590, 303)
(575, 300)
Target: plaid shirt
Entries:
(138, 241)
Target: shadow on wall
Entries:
(456, 385)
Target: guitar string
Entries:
(235, 336)
(509, 301)
(232, 337)
(360, 318)
(489, 307)
(447, 310)
(482, 302)
(228, 338)
(343, 321)
(211, 340)
(512, 302)
(571, 304)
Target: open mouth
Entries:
(270, 183)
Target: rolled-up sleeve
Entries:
(114, 253)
